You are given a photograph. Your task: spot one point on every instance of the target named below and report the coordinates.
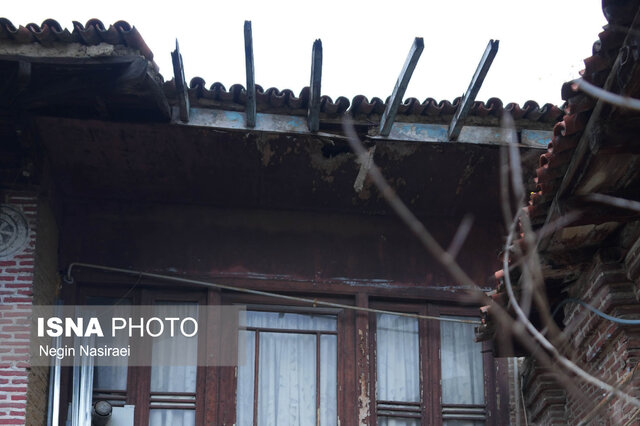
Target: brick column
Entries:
(17, 258)
(606, 349)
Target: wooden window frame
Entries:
(138, 392)
(216, 385)
(430, 360)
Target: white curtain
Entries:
(287, 371)
(398, 364)
(174, 368)
(114, 375)
(461, 360)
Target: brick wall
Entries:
(46, 280)
(604, 348)
(607, 350)
(27, 276)
(544, 398)
(16, 297)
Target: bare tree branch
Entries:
(460, 236)
(544, 347)
(623, 203)
(606, 96)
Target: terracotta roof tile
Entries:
(92, 33)
(360, 106)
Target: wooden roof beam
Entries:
(251, 79)
(181, 84)
(389, 115)
(313, 112)
(472, 91)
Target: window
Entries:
(169, 393)
(172, 398)
(309, 366)
(398, 392)
(426, 371)
(462, 374)
(289, 372)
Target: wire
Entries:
(596, 311)
(313, 302)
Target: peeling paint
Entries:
(399, 151)
(327, 166)
(64, 50)
(264, 147)
(467, 173)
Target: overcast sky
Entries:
(542, 43)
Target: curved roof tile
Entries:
(92, 33)
(360, 105)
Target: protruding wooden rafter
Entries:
(313, 112)
(181, 84)
(474, 87)
(390, 112)
(251, 81)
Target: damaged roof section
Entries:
(99, 105)
(131, 89)
(50, 34)
(593, 155)
(361, 108)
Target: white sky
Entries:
(542, 43)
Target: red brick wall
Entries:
(16, 296)
(607, 350)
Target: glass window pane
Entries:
(246, 369)
(175, 378)
(392, 421)
(328, 380)
(287, 379)
(291, 321)
(172, 417)
(114, 376)
(288, 371)
(398, 359)
(461, 361)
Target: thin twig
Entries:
(606, 96)
(460, 236)
(556, 224)
(623, 382)
(623, 203)
(434, 248)
(566, 363)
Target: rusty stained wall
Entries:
(348, 250)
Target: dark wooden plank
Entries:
(313, 112)
(390, 112)
(251, 82)
(157, 95)
(131, 76)
(363, 360)
(472, 91)
(212, 382)
(181, 84)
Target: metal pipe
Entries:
(314, 302)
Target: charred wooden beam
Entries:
(389, 115)
(157, 94)
(472, 91)
(251, 82)
(313, 112)
(181, 84)
(19, 77)
(133, 75)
